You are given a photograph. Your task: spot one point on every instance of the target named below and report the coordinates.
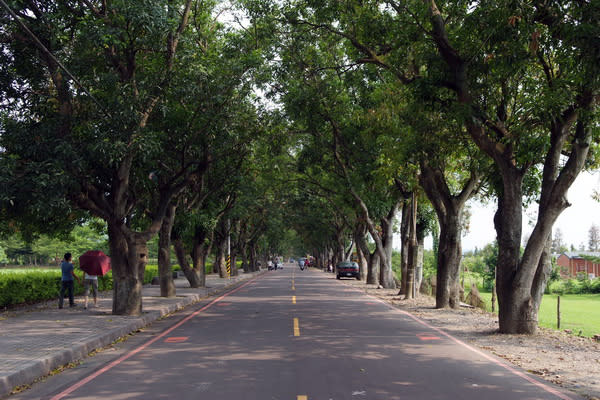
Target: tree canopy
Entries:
(298, 127)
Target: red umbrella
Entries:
(94, 262)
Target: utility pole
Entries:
(413, 243)
(228, 248)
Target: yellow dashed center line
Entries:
(293, 299)
(302, 397)
(296, 327)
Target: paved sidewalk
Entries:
(38, 340)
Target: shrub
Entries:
(575, 286)
(595, 286)
(572, 286)
(557, 287)
(34, 286)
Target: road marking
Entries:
(176, 339)
(296, 327)
(302, 397)
(293, 299)
(124, 357)
(427, 336)
(488, 357)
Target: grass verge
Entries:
(579, 312)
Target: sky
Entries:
(574, 222)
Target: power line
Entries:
(45, 49)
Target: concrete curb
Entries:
(43, 366)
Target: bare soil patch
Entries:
(564, 359)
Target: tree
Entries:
(518, 95)
(594, 238)
(542, 50)
(490, 260)
(96, 147)
(219, 108)
(415, 133)
(558, 242)
(332, 104)
(49, 249)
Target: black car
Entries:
(347, 269)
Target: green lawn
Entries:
(579, 312)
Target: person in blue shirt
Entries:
(68, 275)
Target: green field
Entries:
(579, 312)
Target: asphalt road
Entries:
(293, 335)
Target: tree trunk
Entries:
(514, 303)
(348, 254)
(165, 272)
(265, 258)
(386, 273)
(253, 256)
(340, 245)
(361, 246)
(195, 276)
(199, 256)
(449, 209)
(233, 260)
(521, 281)
(215, 266)
(220, 255)
(542, 274)
(128, 260)
(373, 269)
(420, 255)
(202, 251)
(245, 264)
(404, 243)
(449, 256)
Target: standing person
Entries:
(90, 280)
(68, 275)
